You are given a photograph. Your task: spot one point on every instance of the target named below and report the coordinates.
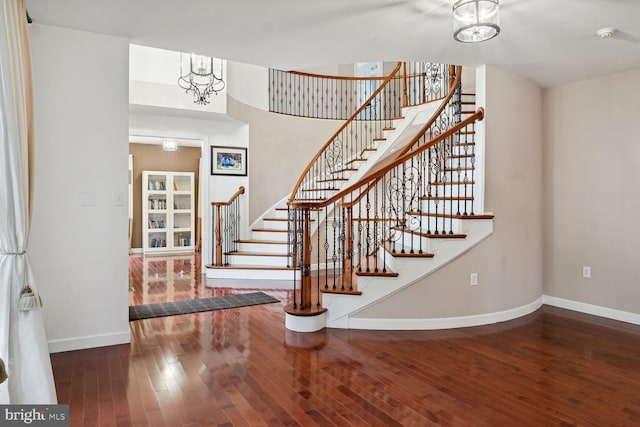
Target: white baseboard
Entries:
(445, 322)
(80, 343)
(596, 310)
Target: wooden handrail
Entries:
(344, 125)
(373, 177)
(323, 76)
(436, 114)
(231, 200)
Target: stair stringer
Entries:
(375, 289)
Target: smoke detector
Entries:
(606, 33)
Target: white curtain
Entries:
(23, 343)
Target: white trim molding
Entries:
(595, 310)
(445, 322)
(81, 343)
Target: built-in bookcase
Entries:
(167, 212)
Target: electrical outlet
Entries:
(473, 281)
(586, 272)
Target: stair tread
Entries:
(468, 198)
(468, 168)
(261, 254)
(376, 273)
(332, 180)
(370, 148)
(346, 170)
(247, 267)
(390, 248)
(321, 189)
(454, 216)
(269, 230)
(461, 156)
(432, 235)
(340, 291)
(262, 242)
(357, 159)
(452, 183)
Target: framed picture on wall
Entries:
(228, 161)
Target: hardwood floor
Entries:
(240, 367)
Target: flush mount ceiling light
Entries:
(197, 75)
(170, 145)
(475, 20)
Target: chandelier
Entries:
(475, 20)
(197, 76)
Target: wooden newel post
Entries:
(305, 287)
(218, 236)
(405, 98)
(452, 74)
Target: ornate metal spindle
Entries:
(342, 242)
(289, 236)
(376, 237)
(359, 236)
(368, 233)
(326, 250)
(385, 230)
(417, 197)
(334, 257)
(473, 164)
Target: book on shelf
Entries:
(175, 186)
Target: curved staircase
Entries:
(397, 207)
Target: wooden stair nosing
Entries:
(452, 183)
(376, 273)
(340, 291)
(269, 230)
(451, 216)
(260, 254)
(357, 159)
(331, 180)
(320, 189)
(447, 198)
(261, 242)
(461, 156)
(468, 168)
(390, 248)
(432, 235)
(248, 267)
(346, 170)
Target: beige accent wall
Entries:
(509, 262)
(280, 147)
(592, 174)
(153, 157)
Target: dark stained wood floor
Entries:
(240, 367)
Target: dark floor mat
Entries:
(148, 311)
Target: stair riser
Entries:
(267, 261)
(269, 235)
(275, 225)
(279, 214)
(263, 248)
(446, 206)
(231, 273)
(425, 222)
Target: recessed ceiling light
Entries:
(606, 33)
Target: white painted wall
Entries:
(509, 262)
(249, 84)
(213, 131)
(79, 253)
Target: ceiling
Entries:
(549, 41)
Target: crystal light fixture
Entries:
(197, 75)
(475, 20)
